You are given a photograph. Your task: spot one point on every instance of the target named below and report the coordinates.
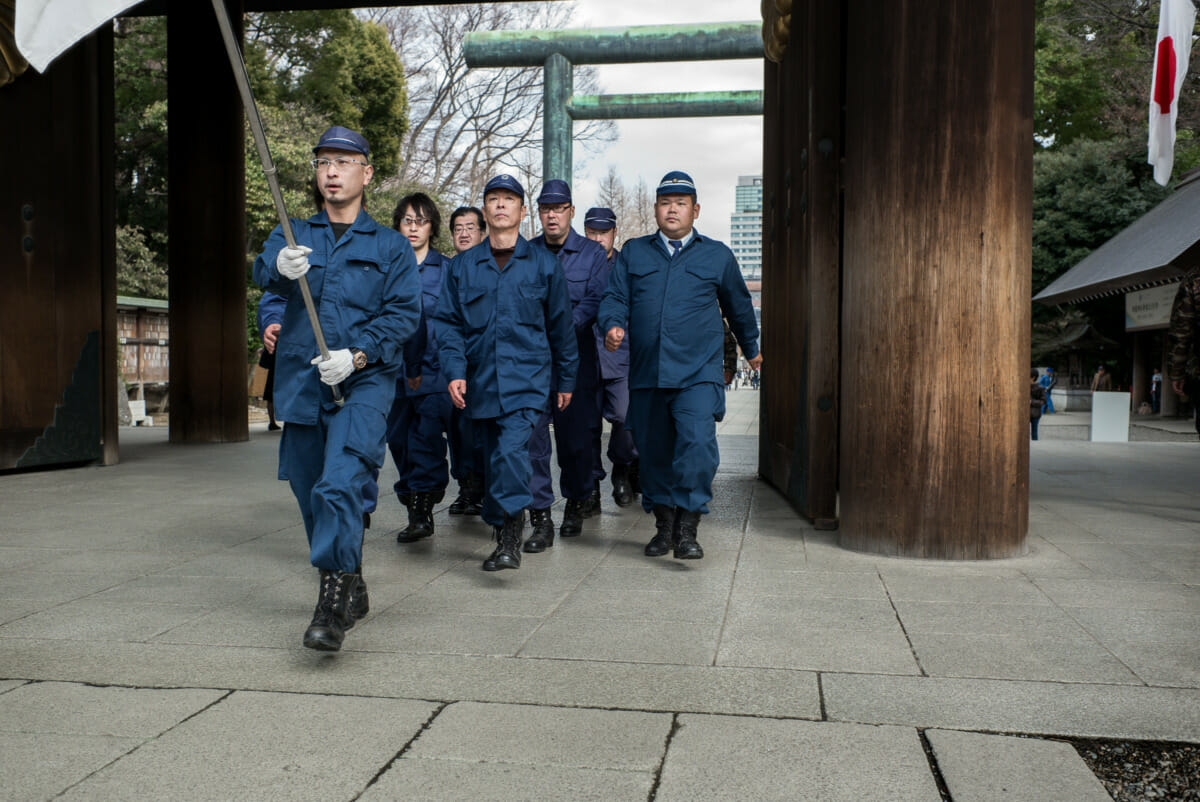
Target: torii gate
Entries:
(558, 51)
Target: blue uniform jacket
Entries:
(367, 294)
(501, 330)
(270, 310)
(674, 308)
(424, 362)
(585, 265)
(613, 364)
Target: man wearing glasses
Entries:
(467, 229)
(364, 282)
(586, 267)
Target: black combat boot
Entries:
(635, 478)
(470, 496)
(360, 603)
(686, 547)
(508, 538)
(420, 519)
(664, 531)
(622, 489)
(591, 504)
(573, 517)
(332, 617)
(543, 532)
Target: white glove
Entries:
(293, 262)
(335, 369)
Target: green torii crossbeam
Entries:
(558, 51)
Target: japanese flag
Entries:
(47, 28)
(1178, 18)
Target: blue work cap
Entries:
(677, 182)
(340, 138)
(505, 182)
(599, 218)
(555, 191)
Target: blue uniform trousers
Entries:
(506, 472)
(676, 435)
(328, 465)
(466, 448)
(614, 400)
(574, 434)
(399, 420)
(428, 426)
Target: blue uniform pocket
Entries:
(362, 285)
(477, 307)
(366, 433)
(531, 308)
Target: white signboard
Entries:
(1149, 309)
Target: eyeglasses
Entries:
(466, 229)
(413, 221)
(342, 163)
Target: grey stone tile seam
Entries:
(729, 592)
(934, 769)
(658, 770)
(399, 754)
(23, 682)
(145, 741)
(911, 648)
(1090, 634)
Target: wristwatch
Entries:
(360, 359)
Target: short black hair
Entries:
(1033, 374)
(423, 205)
(462, 211)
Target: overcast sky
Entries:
(714, 150)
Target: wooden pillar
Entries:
(207, 229)
(57, 262)
(801, 238)
(936, 277)
(1140, 387)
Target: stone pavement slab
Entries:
(265, 746)
(997, 768)
(1045, 708)
(547, 736)
(716, 757)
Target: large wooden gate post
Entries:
(936, 277)
(207, 228)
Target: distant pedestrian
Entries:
(1155, 391)
(1037, 399)
(1047, 381)
(1102, 382)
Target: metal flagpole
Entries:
(264, 155)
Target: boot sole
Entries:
(535, 548)
(500, 566)
(321, 644)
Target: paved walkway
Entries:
(151, 614)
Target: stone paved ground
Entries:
(151, 613)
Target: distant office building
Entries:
(745, 235)
(745, 226)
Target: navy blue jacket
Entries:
(613, 364)
(502, 330)
(585, 265)
(673, 308)
(368, 296)
(424, 361)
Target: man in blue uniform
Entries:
(586, 269)
(364, 283)
(468, 228)
(420, 417)
(503, 318)
(671, 289)
(600, 226)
